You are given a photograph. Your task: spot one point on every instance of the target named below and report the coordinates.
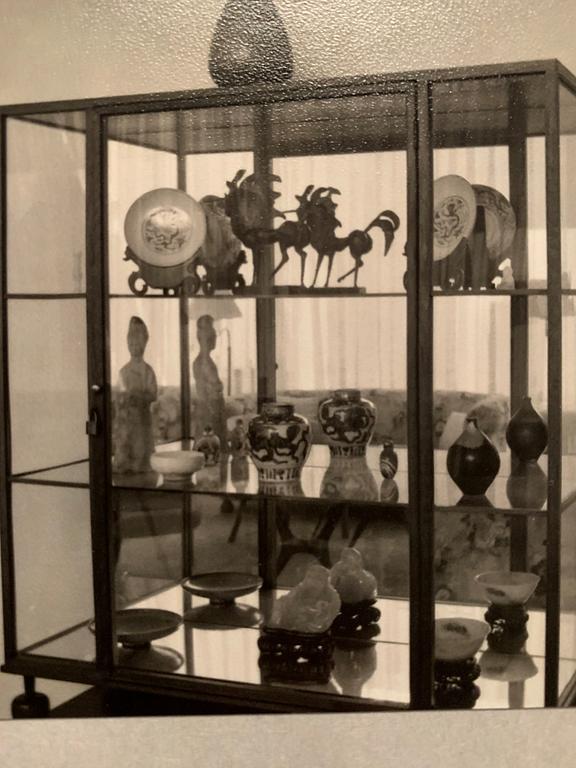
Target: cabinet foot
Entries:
(30, 704)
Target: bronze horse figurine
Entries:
(247, 205)
(322, 223)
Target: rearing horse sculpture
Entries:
(247, 205)
(322, 223)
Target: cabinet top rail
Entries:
(295, 89)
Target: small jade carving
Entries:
(351, 581)
(310, 607)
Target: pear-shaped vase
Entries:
(527, 433)
(250, 45)
(473, 461)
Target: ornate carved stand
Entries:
(356, 622)
(454, 684)
(508, 632)
(295, 656)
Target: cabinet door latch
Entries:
(93, 423)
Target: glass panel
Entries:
(214, 139)
(132, 171)
(568, 523)
(239, 352)
(369, 183)
(53, 564)
(490, 353)
(46, 204)
(489, 171)
(324, 345)
(48, 389)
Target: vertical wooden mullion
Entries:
(6, 526)
(420, 398)
(265, 345)
(99, 386)
(184, 321)
(554, 270)
(519, 352)
(265, 306)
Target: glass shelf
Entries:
(356, 480)
(377, 671)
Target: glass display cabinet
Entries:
(289, 392)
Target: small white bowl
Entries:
(456, 639)
(176, 466)
(507, 587)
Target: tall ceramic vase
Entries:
(250, 45)
(473, 461)
(527, 433)
(279, 442)
(347, 419)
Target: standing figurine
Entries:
(209, 388)
(209, 445)
(134, 442)
(238, 440)
(388, 460)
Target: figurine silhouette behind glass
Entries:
(138, 389)
(210, 391)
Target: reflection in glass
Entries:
(349, 477)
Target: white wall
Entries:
(59, 49)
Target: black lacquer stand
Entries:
(356, 622)
(454, 686)
(287, 656)
(508, 632)
(30, 704)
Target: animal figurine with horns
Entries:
(249, 205)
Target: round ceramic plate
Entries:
(165, 227)
(138, 626)
(500, 219)
(222, 586)
(454, 214)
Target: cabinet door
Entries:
(46, 357)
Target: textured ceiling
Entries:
(69, 48)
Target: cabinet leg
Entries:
(30, 703)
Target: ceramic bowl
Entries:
(507, 587)
(176, 466)
(222, 586)
(456, 639)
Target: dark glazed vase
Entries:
(348, 421)
(250, 45)
(527, 433)
(279, 442)
(472, 461)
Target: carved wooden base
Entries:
(454, 684)
(295, 656)
(508, 632)
(356, 622)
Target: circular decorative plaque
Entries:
(165, 227)
(454, 214)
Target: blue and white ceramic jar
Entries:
(348, 420)
(279, 442)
